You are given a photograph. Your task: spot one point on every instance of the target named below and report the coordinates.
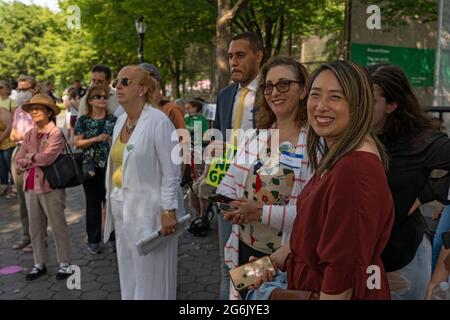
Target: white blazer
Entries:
(150, 179)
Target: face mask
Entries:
(23, 97)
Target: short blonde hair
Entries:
(145, 80)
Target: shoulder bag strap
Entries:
(67, 147)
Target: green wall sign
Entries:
(418, 64)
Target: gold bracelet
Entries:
(169, 214)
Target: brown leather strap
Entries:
(283, 294)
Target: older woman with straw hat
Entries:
(41, 147)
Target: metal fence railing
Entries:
(439, 109)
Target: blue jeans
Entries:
(443, 226)
(416, 274)
(224, 234)
(5, 165)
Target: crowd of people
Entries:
(329, 174)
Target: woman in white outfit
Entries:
(143, 190)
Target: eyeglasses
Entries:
(99, 97)
(124, 82)
(24, 89)
(282, 86)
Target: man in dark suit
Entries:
(244, 55)
(235, 107)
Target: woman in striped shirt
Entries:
(270, 167)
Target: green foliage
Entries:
(172, 27)
(35, 41)
(394, 11)
(274, 20)
(179, 39)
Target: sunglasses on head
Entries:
(99, 97)
(124, 82)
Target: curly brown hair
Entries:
(264, 116)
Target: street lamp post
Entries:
(141, 28)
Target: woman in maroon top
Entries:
(345, 213)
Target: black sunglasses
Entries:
(99, 97)
(282, 86)
(124, 82)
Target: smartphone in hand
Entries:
(225, 206)
(245, 276)
(219, 198)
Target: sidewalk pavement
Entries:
(198, 261)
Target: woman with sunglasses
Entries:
(93, 133)
(265, 192)
(143, 190)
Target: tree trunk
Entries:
(226, 13)
(175, 73)
(348, 23)
(280, 34)
(212, 68)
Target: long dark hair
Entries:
(358, 92)
(408, 119)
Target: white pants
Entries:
(150, 277)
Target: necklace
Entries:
(130, 126)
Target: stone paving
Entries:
(198, 267)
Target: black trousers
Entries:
(95, 192)
(245, 252)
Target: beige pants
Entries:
(42, 207)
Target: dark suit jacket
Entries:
(224, 108)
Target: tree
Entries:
(34, 41)
(173, 26)
(276, 21)
(394, 12)
(226, 13)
